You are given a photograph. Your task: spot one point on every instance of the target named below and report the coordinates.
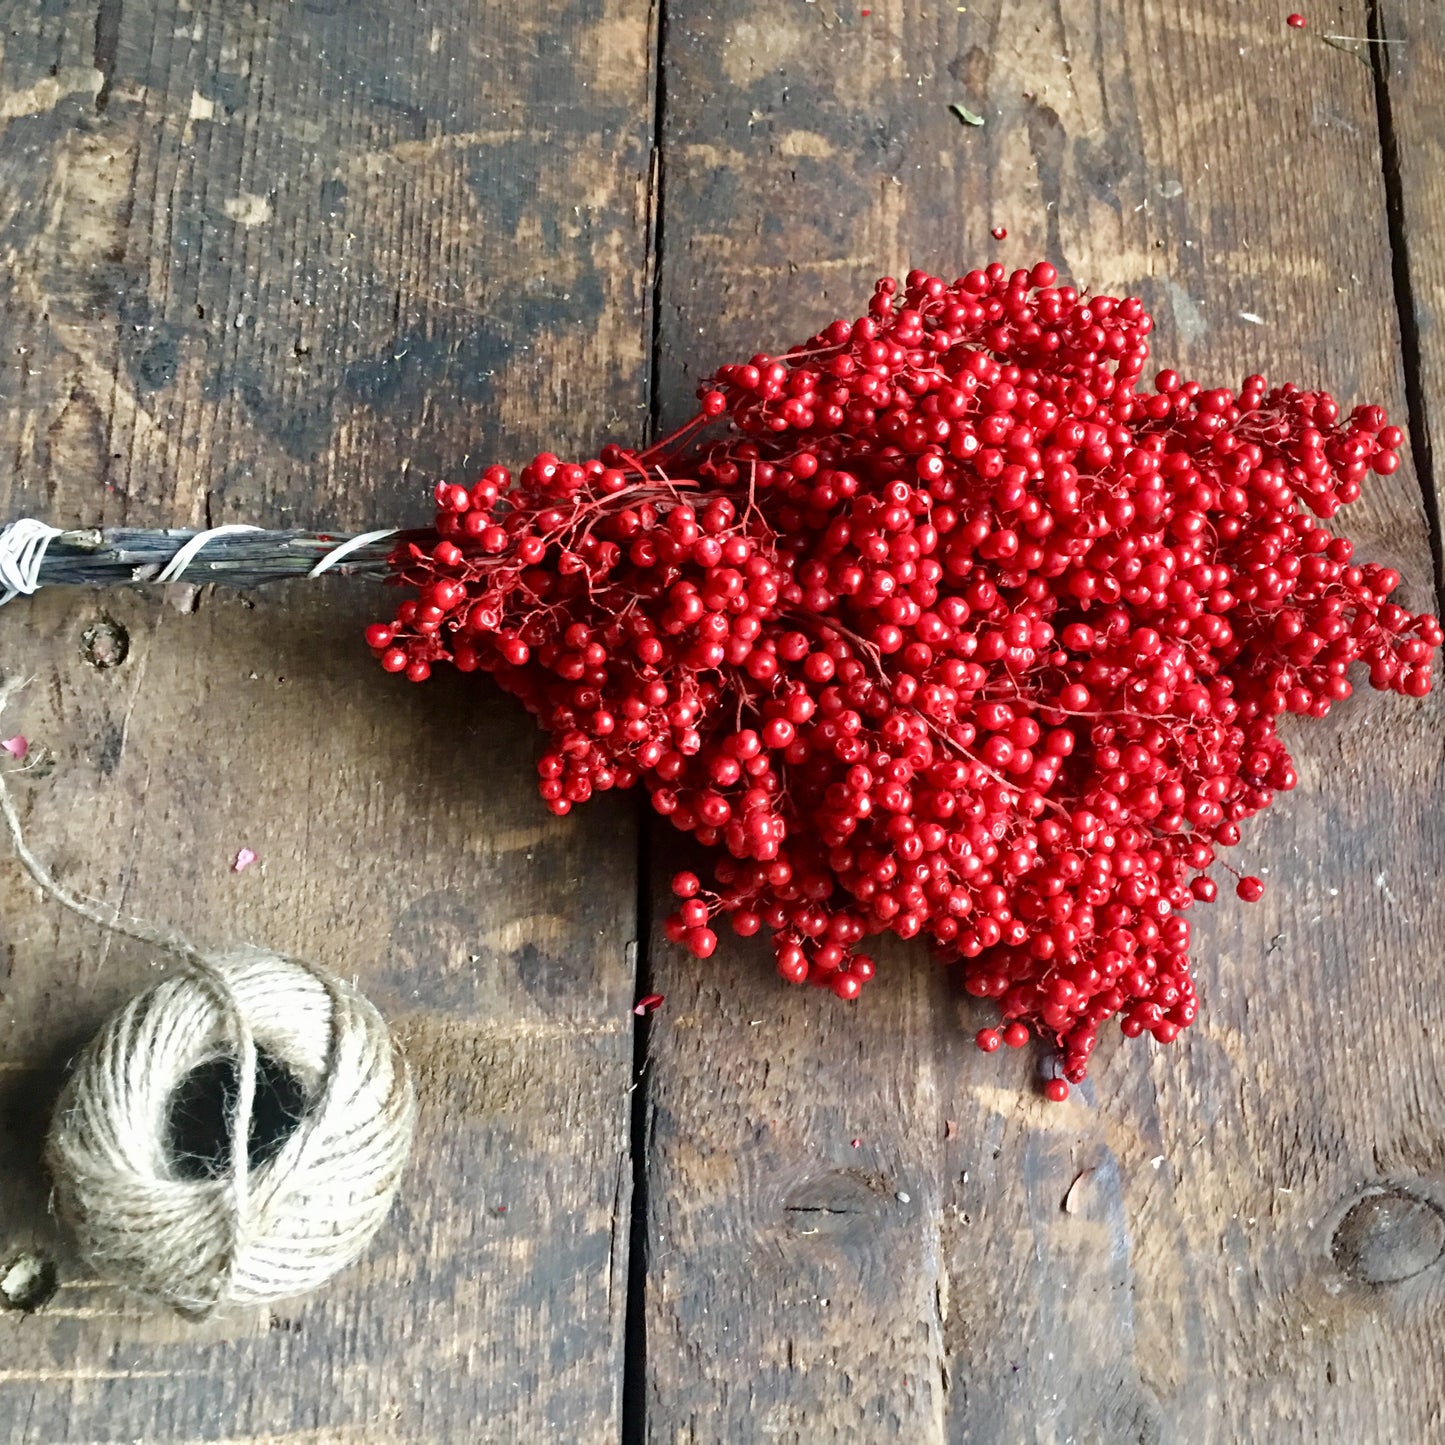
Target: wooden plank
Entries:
(857, 1226)
(291, 262)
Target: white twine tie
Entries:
(22, 550)
(336, 554)
(171, 572)
(23, 545)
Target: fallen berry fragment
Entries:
(17, 746)
(1074, 1200)
(648, 1003)
(244, 858)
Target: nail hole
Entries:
(105, 643)
(29, 1281)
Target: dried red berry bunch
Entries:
(956, 631)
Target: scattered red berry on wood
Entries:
(1297, 21)
(999, 233)
(1250, 889)
(953, 628)
(1016, 1035)
(1056, 1090)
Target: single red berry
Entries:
(999, 233)
(701, 942)
(1297, 21)
(793, 966)
(778, 732)
(988, 1040)
(1015, 1035)
(1250, 889)
(685, 885)
(1056, 1090)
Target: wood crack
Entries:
(1418, 421)
(107, 43)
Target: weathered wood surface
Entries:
(290, 263)
(856, 1224)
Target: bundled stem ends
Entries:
(112, 556)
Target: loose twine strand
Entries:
(253, 1234)
(24, 543)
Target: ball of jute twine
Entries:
(256, 1232)
(247, 1230)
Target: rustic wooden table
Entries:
(292, 260)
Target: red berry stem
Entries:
(954, 630)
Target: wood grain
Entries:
(289, 263)
(858, 1227)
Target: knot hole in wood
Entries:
(839, 1203)
(1387, 1235)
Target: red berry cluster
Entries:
(955, 631)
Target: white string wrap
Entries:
(336, 554)
(171, 572)
(22, 550)
(23, 545)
